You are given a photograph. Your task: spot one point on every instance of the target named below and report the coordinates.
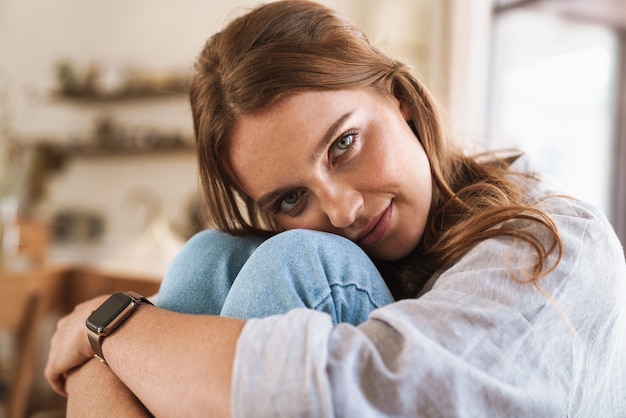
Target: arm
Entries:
(176, 364)
(93, 390)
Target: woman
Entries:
(434, 283)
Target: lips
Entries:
(376, 229)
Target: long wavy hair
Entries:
(295, 45)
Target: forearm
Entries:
(94, 391)
(176, 364)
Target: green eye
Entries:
(288, 202)
(291, 198)
(345, 142)
(342, 145)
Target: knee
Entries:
(211, 238)
(211, 241)
(210, 253)
(299, 245)
(317, 270)
(304, 240)
(205, 240)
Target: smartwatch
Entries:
(104, 320)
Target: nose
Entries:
(340, 203)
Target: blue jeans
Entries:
(246, 277)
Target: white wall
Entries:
(156, 36)
(164, 36)
(147, 35)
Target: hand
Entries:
(69, 347)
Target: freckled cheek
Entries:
(372, 165)
(388, 163)
(381, 173)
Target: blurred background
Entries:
(98, 180)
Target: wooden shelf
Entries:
(95, 152)
(94, 98)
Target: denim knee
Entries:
(316, 270)
(200, 276)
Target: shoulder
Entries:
(496, 268)
(575, 219)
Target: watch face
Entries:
(111, 309)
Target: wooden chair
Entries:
(25, 302)
(30, 304)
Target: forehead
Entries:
(275, 146)
(293, 111)
(268, 142)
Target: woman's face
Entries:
(344, 162)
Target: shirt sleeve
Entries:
(478, 344)
(393, 365)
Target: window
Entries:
(553, 91)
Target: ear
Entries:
(406, 112)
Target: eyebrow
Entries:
(328, 136)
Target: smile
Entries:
(376, 229)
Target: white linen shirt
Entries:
(474, 343)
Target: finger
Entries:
(69, 347)
(55, 378)
(58, 361)
(58, 384)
